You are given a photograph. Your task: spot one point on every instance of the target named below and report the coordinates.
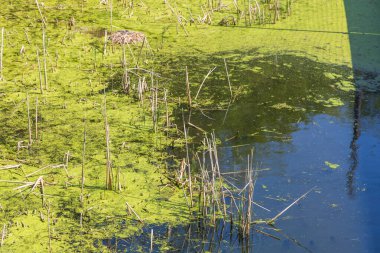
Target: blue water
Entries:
(292, 153)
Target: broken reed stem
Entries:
(39, 70)
(178, 16)
(133, 211)
(228, 77)
(108, 153)
(44, 53)
(188, 88)
(36, 120)
(1, 53)
(83, 161)
(29, 120)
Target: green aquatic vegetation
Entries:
(288, 107)
(80, 68)
(331, 102)
(332, 166)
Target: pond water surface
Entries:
(306, 132)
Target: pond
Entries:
(308, 129)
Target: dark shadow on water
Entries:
(197, 236)
(364, 17)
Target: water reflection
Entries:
(300, 141)
(353, 144)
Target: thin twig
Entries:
(283, 211)
(200, 87)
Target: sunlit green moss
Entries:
(78, 72)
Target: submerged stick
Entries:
(271, 221)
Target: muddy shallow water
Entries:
(306, 132)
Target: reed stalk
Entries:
(228, 77)
(29, 120)
(3, 234)
(109, 174)
(39, 10)
(83, 161)
(188, 92)
(151, 240)
(36, 120)
(44, 53)
(1, 54)
(49, 226)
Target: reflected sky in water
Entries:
(298, 145)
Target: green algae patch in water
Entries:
(331, 102)
(332, 166)
(81, 65)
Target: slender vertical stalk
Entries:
(142, 46)
(1, 53)
(39, 10)
(49, 229)
(188, 161)
(108, 152)
(166, 108)
(44, 53)
(83, 161)
(36, 119)
(29, 121)
(151, 240)
(3, 233)
(124, 61)
(39, 71)
(228, 77)
(111, 17)
(105, 43)
(188, 92)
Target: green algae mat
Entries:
(66, 121)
